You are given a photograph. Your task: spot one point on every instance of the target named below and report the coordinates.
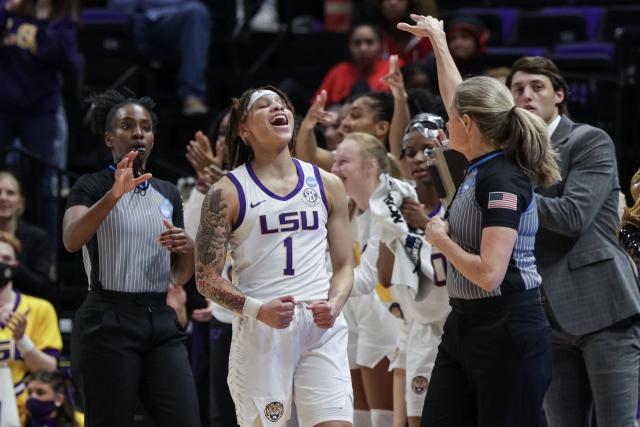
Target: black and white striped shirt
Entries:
(495, 192)
(124, 254)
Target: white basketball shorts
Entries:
(268, 368)
(372, 330)
(422, 348)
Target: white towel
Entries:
(411, 252)
(385, 203)
(412, 262)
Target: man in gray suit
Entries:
(591, 293)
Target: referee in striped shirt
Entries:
(494, 363)
(127, 343)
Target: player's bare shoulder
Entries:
(334, 189)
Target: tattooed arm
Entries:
(219, 209)
(219, 212)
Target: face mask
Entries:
(40, 410)
(6, 274)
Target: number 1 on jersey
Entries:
(288, 244)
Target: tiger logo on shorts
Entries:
(419, 384)
(273, 411)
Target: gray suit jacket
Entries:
(587, 278)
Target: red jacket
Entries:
(341, 78)
(416, 50)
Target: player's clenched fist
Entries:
(277, 313)
(324, 313)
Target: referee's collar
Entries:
(475, 163)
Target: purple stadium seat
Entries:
(536, 28)
(586, 48)
(592, 15)
(518, 50)
(505, 56)
(508, 17)
(103, 16)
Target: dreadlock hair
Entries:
(104, 105)
(65, 416)
(239, 151)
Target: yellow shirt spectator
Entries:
(42, 329)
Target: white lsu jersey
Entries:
(431, 303)
(278, 243)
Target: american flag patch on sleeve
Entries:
(502, 200)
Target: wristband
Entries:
(24, 345)
(251, 307)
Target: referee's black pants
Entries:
(493, 365)
(130, 346)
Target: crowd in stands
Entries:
(367, 114)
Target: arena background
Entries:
(596, 45)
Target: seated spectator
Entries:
(37, 42)
(387, 13)
(416, 77)
(29, 325)
(49, 403)
(467, 40)
(165, 27)
(36, 258)
(364, 74)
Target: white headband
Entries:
(257, 95)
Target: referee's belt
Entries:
(493, 304)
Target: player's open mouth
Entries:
(279, 120)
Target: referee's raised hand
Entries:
(175, 239)
(425, 26)
(124, 179)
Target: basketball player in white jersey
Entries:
(274, 214)
(425, 309)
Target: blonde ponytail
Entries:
(519, 133)
(529, 146)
